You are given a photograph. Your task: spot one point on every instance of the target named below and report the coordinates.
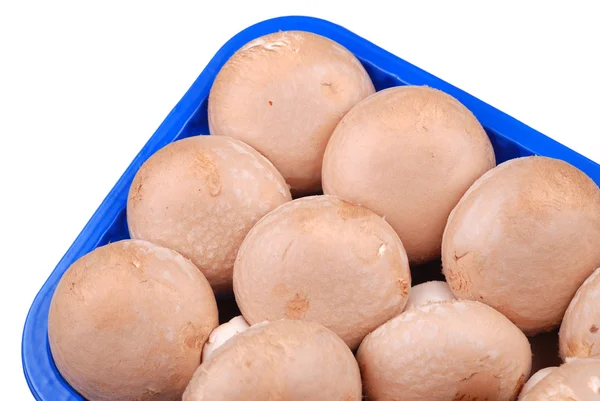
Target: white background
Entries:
(83, 85)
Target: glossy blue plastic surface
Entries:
(509, 137)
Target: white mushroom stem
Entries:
(426, 293)
(223, 333)
(535, 379)
(594, 384)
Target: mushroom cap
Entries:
(221, 334)
(128, 321)
(288, 360)
(408, 153)
(428, 292)
(200, 196)
(284, 94)
(576, 380)
(449, 350)
(523, 239)
(326, 260)
(579, 334)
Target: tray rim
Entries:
(104, 216)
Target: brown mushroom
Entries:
(326, 260)
(448, 350)
(289, 360)
(408, 153)
(523, 239)
(200, 196)
(128, 321)
(283, 94)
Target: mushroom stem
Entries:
(221, 334)
(535, 379)
(426, 293)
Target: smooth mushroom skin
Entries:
(577, 380)
(322, 259)
(408, 153)
(284, 94)
(128, 321)
(428, 292)
(579, 334)
(289, 360)
(200, 196)
(523, 239)
(221, 334)
(535, 379)
(445, 351)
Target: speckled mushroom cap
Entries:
(288, 360)
(523, 239)
(577, 380)
(200, 196)
(326, 260)
(283, 94)
(449, 350)
(408, 153)
(128, 321)
(579, 334)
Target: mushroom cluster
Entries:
(351, 243)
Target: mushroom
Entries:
(200, 196)
(576, 380)
(288, 360)
(428, 292)
(579, 334)
(128, 320)
(523, 239)
(326, 260)
(283, 94)
(408, 153)
(221, 334)
(448, 350)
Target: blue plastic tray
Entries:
(509, 137)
